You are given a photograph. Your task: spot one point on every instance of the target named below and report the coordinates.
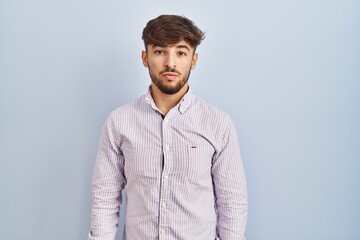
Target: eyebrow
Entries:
(154, 46)
(183, 46)
(179, 46)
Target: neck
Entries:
(165, 102)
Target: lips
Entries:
(170, 75)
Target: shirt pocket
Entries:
(199, 161)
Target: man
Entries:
(176, 156)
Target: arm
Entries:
(230, 188)
(107, 183)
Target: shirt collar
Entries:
(185, 101)
(181, 106)
(149, 100)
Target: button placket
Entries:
(165, 194)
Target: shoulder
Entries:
(209, 110)
(211, 121)
(126, 112)
(128, 108)
(210, 117)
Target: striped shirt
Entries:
(182, 174)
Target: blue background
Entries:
(288, 72)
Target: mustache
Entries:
(170, 70)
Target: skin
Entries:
(169, 69)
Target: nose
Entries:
(170, 62)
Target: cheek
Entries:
(186, 65)
(154, 64)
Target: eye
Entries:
(182, 54)
(159, 52)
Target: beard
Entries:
(170, 90)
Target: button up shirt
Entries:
(182, 174)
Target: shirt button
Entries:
(167, 147)
(166, 176)
(163, 205)
(166, 121)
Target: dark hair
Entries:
(169, 29)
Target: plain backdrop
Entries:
(288, 72)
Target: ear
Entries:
(144, 58)
(194, 61)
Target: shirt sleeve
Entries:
(107, 184)
(230, 187)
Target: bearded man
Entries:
(176, 156)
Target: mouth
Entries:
(170, 75)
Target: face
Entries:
(170, 66)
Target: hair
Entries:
(169, 29)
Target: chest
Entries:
(179, 147)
